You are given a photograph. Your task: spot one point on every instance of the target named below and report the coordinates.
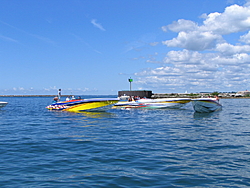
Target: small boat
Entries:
(124, 97)
(153, 103)
(206, 105)
(3, 104)
(79, 105)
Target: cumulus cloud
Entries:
(229, 49)
(181, 25)
(194, 40)
(234, 19)
(245, 38)
(191, 36)
(213, 56)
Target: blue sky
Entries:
(93, 46)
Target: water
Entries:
(123, 148)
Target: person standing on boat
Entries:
(59, 94)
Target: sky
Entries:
(92, 47)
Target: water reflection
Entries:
(198, 115)
(101, 114)
(92, 114)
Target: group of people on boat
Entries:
(216, 97)
(57, 99)
(134, 98)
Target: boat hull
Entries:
(205, 105)
(84, 105)
(3, 104)
(154, 103)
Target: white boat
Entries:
(206, 105)
(154, 103)
(3, 104)
(124, 97)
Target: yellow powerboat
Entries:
(79, 105)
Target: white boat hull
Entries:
(3, 104)
(124, 97)
(205, 105)
(154, 103)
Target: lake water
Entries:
(123, 148)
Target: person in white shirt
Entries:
(59, 94)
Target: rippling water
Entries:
(123, 148)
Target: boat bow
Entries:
(3, 104)
(204, 105)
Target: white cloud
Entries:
(208, 60)
(181, 25)
(234, 19)
(245, 38)
(98, 25)
(200, 71)
(229, 49)
(194, 40)
(185, 56)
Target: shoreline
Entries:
(45, 95)
(31, 95)
(108, 95)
